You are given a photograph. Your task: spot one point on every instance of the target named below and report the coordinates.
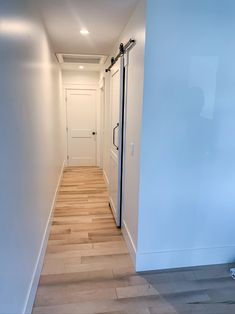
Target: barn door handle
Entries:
(114, 133)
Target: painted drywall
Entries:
(187, 200)
(32, 148)
(134, 29)
(80, 77)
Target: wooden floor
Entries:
(88, 270)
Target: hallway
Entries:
(117, 114)
(87, 268)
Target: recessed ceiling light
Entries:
(84, 31)
(81, 67)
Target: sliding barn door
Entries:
(115, 187)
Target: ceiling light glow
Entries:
(81, 67)
(84, 31)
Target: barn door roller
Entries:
(122, 50)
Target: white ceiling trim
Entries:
(74, 61)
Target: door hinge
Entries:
(67, 157)
(67, 129)
(65, 98)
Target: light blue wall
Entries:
(187, 185)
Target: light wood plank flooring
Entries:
(87, 268)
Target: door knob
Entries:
(93, 133)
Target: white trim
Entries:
(129, 241)
(112, 206)
(100, 118)
(102, 82)
(66, 125)
(81, 59)
(106, 179)
(98, 130)
(39, 263)
(92, 86)
(168, 259)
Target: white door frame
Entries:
(101, 120)
(95, 88)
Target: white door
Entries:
(116, 81)
(81, 127)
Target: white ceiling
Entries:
(105, 20)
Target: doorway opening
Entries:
(87, 117)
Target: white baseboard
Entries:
(106, 178)
(38, 267)
(184, 258)
(129, 241)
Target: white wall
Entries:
(32, 149)
(80, 77)
(187, 197)
(134, 29)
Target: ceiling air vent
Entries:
(84, 59)
(72, 59)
